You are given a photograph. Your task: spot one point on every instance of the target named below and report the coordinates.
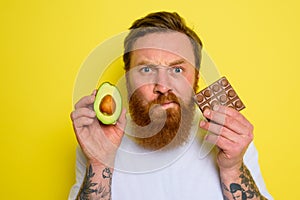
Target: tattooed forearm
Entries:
(243, 189)
(92, 190)
(247, 180)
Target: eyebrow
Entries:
(144, 62)
(176, 62)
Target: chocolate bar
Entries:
(219, 93)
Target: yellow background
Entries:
(43, 43)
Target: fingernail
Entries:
(216, 107)
(94, 92)
(206, 112)
(202, 123)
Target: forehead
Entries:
(164, 47)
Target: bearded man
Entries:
(158, 157)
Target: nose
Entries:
(161, 89)
(162, 85)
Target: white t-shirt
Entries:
(188, 172)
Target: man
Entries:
(162, 60)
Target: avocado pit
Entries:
(108, 105)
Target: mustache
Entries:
(162, 99)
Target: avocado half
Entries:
(108, 103)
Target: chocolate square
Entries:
(219, 92)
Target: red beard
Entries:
(156, 128)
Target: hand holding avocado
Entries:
(99, 141)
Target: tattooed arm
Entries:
(97, 183)
(99, 143)
(238, 184)
(232, 133)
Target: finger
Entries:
(233, 113)
(121, 123)
(224, 144)
(82, 112)
(94, 92)
(227, 121)
(85, 101)
(220, 130)
(220, 141)
(82, 121)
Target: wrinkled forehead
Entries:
(173, 42)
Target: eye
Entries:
(146, 69)
(177, 70)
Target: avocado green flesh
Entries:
(104, 90)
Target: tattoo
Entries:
(224, 197)
(100, 191)
(238, 192)
(249, 191)
(225, 188)
(247, 180)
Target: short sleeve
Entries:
(251, 161)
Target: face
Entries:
(161, 84)
(162, 63)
